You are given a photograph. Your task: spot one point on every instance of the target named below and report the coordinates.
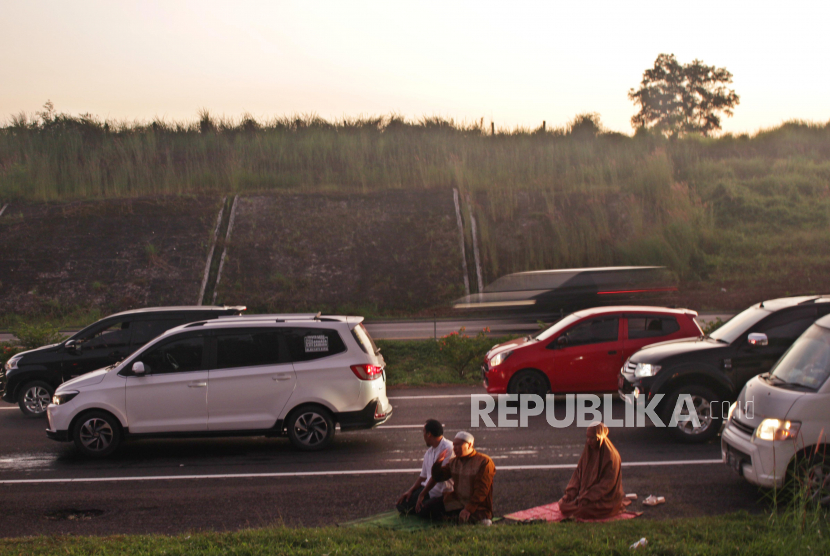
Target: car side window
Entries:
(594, 331)
(307, 344)
(175, 356)
(644, 326)
(146, 330)
(115, 335)
(249, 349)
(782, 329)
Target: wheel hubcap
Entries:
(311, 428)
(704, 416)
(36, 399)
(96, 435)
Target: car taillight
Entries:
(367, 372)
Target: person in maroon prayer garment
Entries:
(595, 490)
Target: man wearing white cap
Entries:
(472, 474)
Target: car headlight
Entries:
(777, 429)
(645, 369)
(499, 358)
(12, 363)
(731, 411)
(59, 399)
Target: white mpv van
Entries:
(259, 375)
(781, 421)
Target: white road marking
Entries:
(9, 408)
(429, 397)
(400, 427)
(329, 473)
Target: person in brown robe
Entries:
(472, 474)
(595, 490)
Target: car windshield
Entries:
(740, 323)
(558, 326)
(807, 362)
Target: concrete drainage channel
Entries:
(219, 244)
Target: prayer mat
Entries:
(396, 522)
(393, 521)
(551, 513)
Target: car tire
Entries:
(310, 428)
(811, 480)
(528, 382)
(702, 397)
(33, 398)
(96, 434)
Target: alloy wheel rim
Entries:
(818, 483)
(311, 428)
(36, 399)
(96, 435)
(704, 416)
(528, 385)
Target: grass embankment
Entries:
(729, 534)
(419, 363)
(732, 212)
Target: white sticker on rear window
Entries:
(316, 343)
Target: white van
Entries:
(781, 420)
(259, 375)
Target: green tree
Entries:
(679, 98)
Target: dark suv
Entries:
(30, 378)
(712, 369)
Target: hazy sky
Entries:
(516, 62)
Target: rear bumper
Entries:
(367, 418)
(60, 436)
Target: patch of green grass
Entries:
(419, 363)
(730, 534)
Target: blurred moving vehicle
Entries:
(779, 425)
(30, 378)
(259, 375)
(583, 351)
(567, 290)
(714, 368)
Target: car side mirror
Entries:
(561, 342)
(138, 368)
(73, 347)
(757, 339)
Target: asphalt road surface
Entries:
(171, 486)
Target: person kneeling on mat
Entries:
(426, 488)
(595, 490)
(472, 475)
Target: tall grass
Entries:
(593, 197)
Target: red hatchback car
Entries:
(584, 351)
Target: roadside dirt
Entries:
(112, 255)
(391, 252)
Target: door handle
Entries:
(282, 377)
(612, 353)
(197, 385)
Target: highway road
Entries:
(419, 329)
(171, 486)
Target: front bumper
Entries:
(60, 436)
(760, 462)
(367, 418)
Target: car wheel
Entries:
(34, 397)
(709, 422)
(812, 480)
(97, 434)
(310, 428)
(528, 382)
